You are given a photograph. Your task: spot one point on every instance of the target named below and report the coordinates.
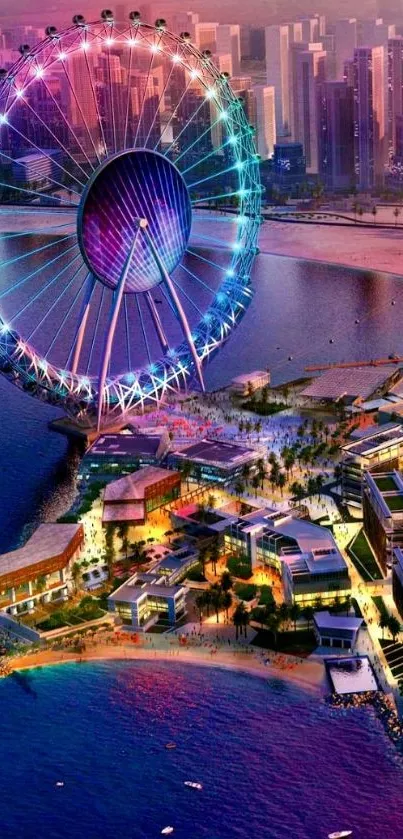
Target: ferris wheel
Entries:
(129, 208)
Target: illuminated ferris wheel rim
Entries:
(131, 389)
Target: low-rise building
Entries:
(211, 460)
(147, 599)
(382, 502)
(250, 382)
(336, 630)
(305, 554)
(375, 450)
(115, 454)
(352, 385)
(131, 498)
(38, 572)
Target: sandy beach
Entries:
(373, 248)
(306, 673)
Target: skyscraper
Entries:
(265, 115)
(308, 70)
(277, 70)
(369, 116)
(336, 134)
(345, 36)
(395, 89)
(229, 41)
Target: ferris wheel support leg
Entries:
(177, 306)
(82, 324)
(115, 309)
(157, 322)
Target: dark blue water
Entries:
(275, 763)
(297, 308)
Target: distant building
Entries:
(265, 119)
(369, 116)
(336, 630)
(336, 135)
(289, 168)
(211, 460)
(132, 498)
(382, 502)
(146, 600)
(250, 381)
(395, 87)
(397, 580)
(38, 572)
(277, 73)
(376, 450)
(345, 34)
(229, 41)
(352, 385)
(114, 454)
(308, 70)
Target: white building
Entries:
(265, 116)
(229, 41)
(277, 73)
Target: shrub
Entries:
(245, 591)
(239, 567)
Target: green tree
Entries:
(393, 626)
(281, 482)
(186, 470)
(226, 600)
(237, 619)
(383, 623)
(295, 612)
(226, 581)
(200, 603)
(308, 613)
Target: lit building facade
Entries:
(336, 135)
(382, 502)
(375, 451)
(395, 90)
(369, 116)
(308, 63)
(277, 73)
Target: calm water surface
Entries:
(297, 308)
(275, 763)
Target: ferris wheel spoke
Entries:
(100, 122)
(207, 261)
(45, 287)
(187, 297)
(220, 197)
(95, 332)
(144, 333)
(200, 137)
(68, 125)
(59, 297)
(228, 143)
(80, 110)
(32, 192)
(43, 153)
(35, 251)
(127, 333)
(197, 279)
(64, 321)
(213, 176)
(111, 102)
(40, 230)
(215, 240)
(157, 109)
(59, 142)
(39, 175)
(157, 322)
(33, 274)
(177, 306)
(173, 114)
(144, 96)
(88, 285)
(184, 127)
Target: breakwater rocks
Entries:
(383, 706)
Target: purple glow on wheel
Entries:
(133, 185)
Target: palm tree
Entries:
(246, 472)
(226, 600)
(273, 622)
(281, 482)
(226, 581)
(394, 627)
(295, 612)
(374, 212)
(216, 599)
(396, 213)
(203, 552)
(200, 603)
(186, 470)
(237, 619)
(289, 461)
(239, 487)
(283, 613)
(215, 554)
(76, 574)
(308, 613)
(256, 483)
(383, 623)
(211, 501)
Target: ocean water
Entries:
(275, 762)
(298, 307)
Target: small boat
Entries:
(193, 784)
(340, 834)
(357, 320)
(166, 830)
(170, 745)
(60, 783)
(331, 340)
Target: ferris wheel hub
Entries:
(138, 187)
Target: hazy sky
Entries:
(258, 12)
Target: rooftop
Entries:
(213, 451)
(349, 383)
(132, 487)
(244, 378)
(136, 588)
(49, 540)
(126, 444)
(325, 620)
(375, 438)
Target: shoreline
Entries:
(313, 679)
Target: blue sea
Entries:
(275, 762)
